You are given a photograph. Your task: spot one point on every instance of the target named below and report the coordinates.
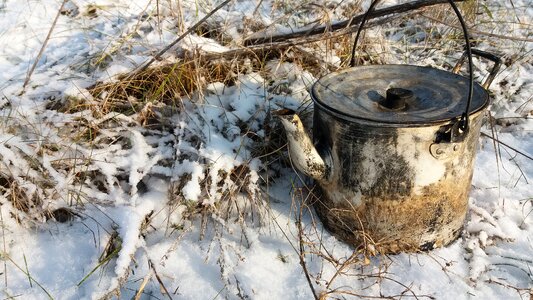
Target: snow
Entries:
(148, 185)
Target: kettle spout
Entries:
(303, 153)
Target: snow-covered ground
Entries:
(142, 208)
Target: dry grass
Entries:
(21, 200)
(170, 83)
(150, 98)
(164, 91)
(166, 84)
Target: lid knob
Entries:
(396, 98)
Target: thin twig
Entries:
(151, 264)
(508, 146)
(340, 269)
(301, 253)
(158, 16)
(496, 150)
(517, 289)
(4, 242)
(43, 46)
(181, 37)
(143, 285)
(472, 30)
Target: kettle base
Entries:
(355, 227)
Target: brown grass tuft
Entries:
(23, 202)
(167, 84)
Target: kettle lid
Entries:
(397, 94)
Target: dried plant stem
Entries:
(4, 242)
(180, 20)
(472, 30)
(257, 7)
(158, 16)
(27, 269)
(496, 151)
(508, 146)
(103, 262)
(43, 46)
(343, 266)
(181, 37)
(146, 279)
(152, 267)
(517, 289)
(27, 273)
(301, 252)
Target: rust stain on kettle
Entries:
(392, 225)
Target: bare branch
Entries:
(316, 30)
(27, 80)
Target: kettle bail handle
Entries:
(493, 72)
(463, 122)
